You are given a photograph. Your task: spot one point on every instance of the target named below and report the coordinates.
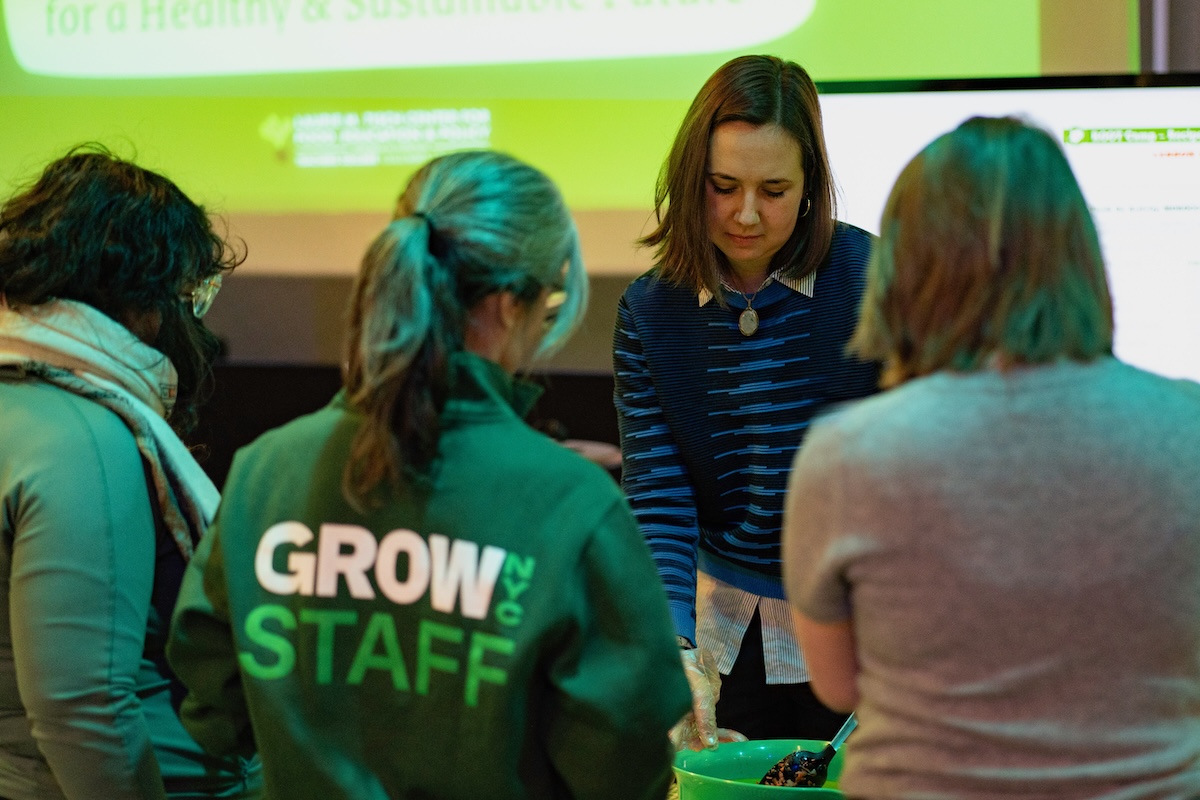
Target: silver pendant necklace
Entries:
(748, 319)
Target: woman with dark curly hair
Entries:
(105, 271)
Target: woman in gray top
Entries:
(996, 563)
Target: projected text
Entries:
(377, 138)
(154, 38)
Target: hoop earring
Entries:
(807, 206)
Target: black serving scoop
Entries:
(806, 768)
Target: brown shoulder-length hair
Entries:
(987, 254)
(761, 90)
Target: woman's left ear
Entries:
(492, 324)
(510, 309)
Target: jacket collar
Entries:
(475, 380)
(475, 385)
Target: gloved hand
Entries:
(698, 729)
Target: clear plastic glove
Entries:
(698, 729)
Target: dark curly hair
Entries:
(101, 230)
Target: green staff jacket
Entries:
(503, 635)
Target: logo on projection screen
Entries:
(152, 38)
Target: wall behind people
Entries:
(282, 338)
(300, 265)
(283, 309)
(604, 150)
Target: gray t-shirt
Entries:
(1020, 555)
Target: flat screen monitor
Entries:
(1134, 144)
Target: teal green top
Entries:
(503, 636)
(86, 582)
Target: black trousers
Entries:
(750, 705)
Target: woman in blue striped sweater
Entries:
(722, 354)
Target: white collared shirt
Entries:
(723, 614)
(805, 286)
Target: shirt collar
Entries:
(805, 286)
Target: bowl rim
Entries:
(783, 746)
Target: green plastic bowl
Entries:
(724, 773)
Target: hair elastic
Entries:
(437, 243)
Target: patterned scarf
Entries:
(77, 348)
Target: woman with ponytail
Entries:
(412, 593)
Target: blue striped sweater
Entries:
(710, 419)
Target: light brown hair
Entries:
(469, 224)
(987, 252)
